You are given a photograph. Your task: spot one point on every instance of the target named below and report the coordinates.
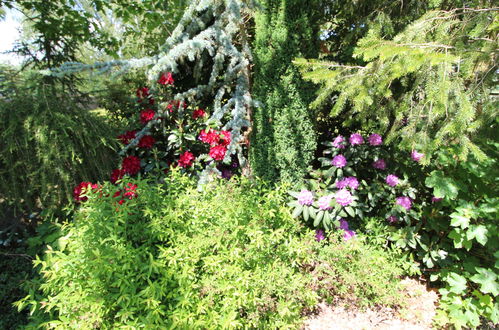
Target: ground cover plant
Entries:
(170, 255)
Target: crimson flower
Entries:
(199, 113)
(131, 165)
(218, 152)
(166, 79)
(146, 142)
(81, 189)
(116, 175)
(226, 138)
(126, 137)
(211, 137)
(146, 116)
(142, 92)
(130, 191)
(186, 159)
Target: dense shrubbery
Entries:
(48, 143)
(170, 255)
(438, 214)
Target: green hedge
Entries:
(283, 136)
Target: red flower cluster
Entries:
(175, 105)
(146, 116)
(218, 142)
(166, 79)
(199, 113)
(130, 193)
(81, 189)
(116, 175)
(146, 142)
(186, 159)
(211, 137)
(130, 165)
(218, 152)
(142, 93)
(126, 137)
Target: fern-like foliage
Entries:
(429, 86)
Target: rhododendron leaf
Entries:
(312, 212)
(487, 280)
(343, 214)
(305, 213)
(318, 218)
(350, 211)
(298, 210)
(339, 173)
(294, 194)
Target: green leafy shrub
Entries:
(48, 143)
(172, 256)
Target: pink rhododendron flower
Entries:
(356, 139)
(338, 142)
(146, 142)
(339, 161)
(375, 139)
(405, 202)
(416, 156)
(130, 165)
(198, 113)
(146, 116)
(350, 181)
(392, 219)
(343, 197)
(218, 152)
(166, 79)
(343, 224)
(436, 199)
(305, 197)
(324, 202)
(348, 234)
(319, 235)
(392, 180)
(380, 164)
(186, 159)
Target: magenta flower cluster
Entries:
(405, 202)
(350, 182)
(339, 161)
(305, 197)
(416, 156)
(392, 180)
(380, 164)
(375, 139)
(356, 139)
(347, 233)
(339, 142)
(324, 202)
(343, 197)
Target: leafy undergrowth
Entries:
(171, 256)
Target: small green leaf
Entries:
(305, 213)
(318, 218)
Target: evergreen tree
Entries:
(429, 85)
(283, 135)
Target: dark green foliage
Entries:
(231, 256)
(283, 136)
(48, 145)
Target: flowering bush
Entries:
(177, 134)
(354, 182)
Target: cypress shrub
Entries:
(283, 135)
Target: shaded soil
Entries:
(417, 314)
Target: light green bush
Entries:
(230, 256)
